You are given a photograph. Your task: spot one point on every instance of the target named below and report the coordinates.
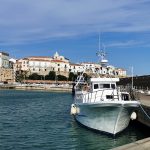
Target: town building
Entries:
(4, 60)
(42, 65)
(76, 68)
(62, 66)
(6, 71)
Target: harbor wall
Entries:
(139, 82)
(46, 87)
(144, 110)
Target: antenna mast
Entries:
(99, 42)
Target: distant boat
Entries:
(102, 106)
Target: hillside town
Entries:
(15, 70)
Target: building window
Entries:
(106, 85)
(58, 69)
(45, 69)
(58, 64)
(95, 86)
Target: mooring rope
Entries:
(144, 111)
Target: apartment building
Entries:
(6, 71)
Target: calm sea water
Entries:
(35, 120)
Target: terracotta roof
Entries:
(76, 65)
(121, 69)
(39, 57)
(40, 60)
(54, 60)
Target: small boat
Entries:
(102, 106)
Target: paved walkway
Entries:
(145, 143)
(144, 99)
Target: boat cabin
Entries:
(103, 83)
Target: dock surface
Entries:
(143, 144)
(138, 145)
(144, 112)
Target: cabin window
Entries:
(125, 97)
(113, 86)
(109, 97)
(95, 86)
(106, 85)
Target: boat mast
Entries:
(101, 54)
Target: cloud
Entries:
(36, 20)
(125, 43)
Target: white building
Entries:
(39, 65)
(4, 60)
(43, 65)
(61, 65)
(6, 72)
(76, 68)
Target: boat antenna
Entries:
(102, 54)
(99, 41)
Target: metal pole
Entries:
(132, 76)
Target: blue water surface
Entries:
(37, 120)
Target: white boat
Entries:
(102, 106)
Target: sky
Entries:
(72, 28)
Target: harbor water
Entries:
(38, 120)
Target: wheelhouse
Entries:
(103, 83)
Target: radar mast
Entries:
(102, 54)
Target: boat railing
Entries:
(98, 95)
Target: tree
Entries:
(61, 78)
(51, 76)
(35, 76)
(72, 76)
(21, 75)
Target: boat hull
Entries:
(110, 118)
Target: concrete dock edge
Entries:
(143, 144)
